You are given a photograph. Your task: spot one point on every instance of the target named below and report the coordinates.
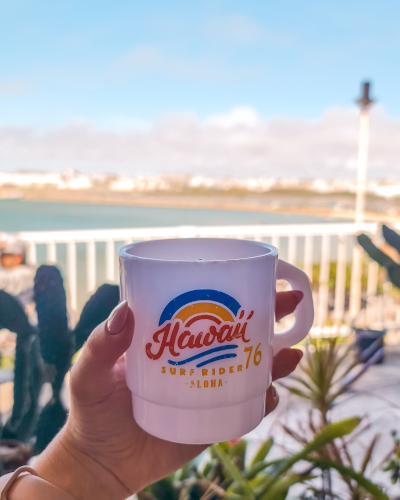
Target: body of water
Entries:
(17, 215)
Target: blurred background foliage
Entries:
(323, 464)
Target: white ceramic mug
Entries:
(201, 356)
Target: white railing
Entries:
(300, 244)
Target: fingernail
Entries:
(299, 354)
(299, 295)
(273, 391)
(117, 318)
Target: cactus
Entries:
(56, 344)
(51, 309)
(44, 353)
(28, 372)
(27, 427)
(393, 239)
(96, 310)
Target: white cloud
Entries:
(238, 143)
(242, 116)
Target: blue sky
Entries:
(128, 62)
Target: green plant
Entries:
(44, 353)
(392, 267)
(28, 371)
(393, 460)
(56, 348)
(327, 372)
(225, 475)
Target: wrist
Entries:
(63, 464)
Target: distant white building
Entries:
(70, 179)
(67, 180)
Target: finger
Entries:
(271, 400)
(285, 362)
(106, 344)
(286, 303)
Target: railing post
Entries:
(110, 260)
(72, 281)
(355, 284)
(292, 249)
(323, 289)
(275, 241)
(372, 285)
(91, 266)
(31, 256)
(340, 284)
(51, 253)
(308, 256)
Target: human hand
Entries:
(101, 453)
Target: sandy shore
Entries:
(290, 203)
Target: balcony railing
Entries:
(301, 244)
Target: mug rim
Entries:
(122, 252)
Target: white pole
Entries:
(362, 163)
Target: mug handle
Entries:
(304, 313)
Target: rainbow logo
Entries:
(201, 304)
(196, 305)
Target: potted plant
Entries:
(369, 341)
(369, 344)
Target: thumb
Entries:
(106, 344)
